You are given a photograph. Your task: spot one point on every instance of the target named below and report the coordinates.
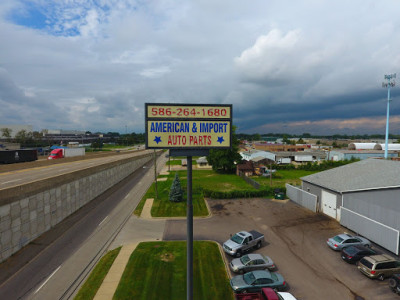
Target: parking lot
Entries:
(295, 239)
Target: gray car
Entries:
(251, 262)
(344, 240)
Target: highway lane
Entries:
(14, 178)
(58, 270)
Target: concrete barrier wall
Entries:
(29, 210)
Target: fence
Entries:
(301, 197)
(254, 183)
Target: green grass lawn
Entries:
(280, 177)
(93, 283)
(157, 270)
(178, 162)
(209, 179)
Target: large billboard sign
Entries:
(188, 126)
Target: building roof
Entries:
(320, 154)
(395, 147)
(202, 160)
(246, 165)
(258, 158)
(363, 175)
(361, 151)
(361, 146)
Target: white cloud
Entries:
(155, 72)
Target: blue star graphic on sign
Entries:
(157, 139)
(220, 139)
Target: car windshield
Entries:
(249, 278)
(351, 250)
(338, 239)
(366, 263)
(237, 239)
(245, 259)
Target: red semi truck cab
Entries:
(56, 153)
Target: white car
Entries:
(286, 296)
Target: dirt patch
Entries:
(167, 257)
(218, 207)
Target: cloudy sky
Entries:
(286, 66)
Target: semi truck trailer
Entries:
(66, 152)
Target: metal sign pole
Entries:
(189, 221)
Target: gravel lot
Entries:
(295, 240)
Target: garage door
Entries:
(328, 202)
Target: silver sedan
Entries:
(251, 262)
(344, 240)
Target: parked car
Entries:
(243, 241)
(251, 262)
(256, 280)
(353, 254)
(394, 283)
(265, 294)
(379, 266)
(345, 240)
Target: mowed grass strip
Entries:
(281, 177)
(93, 283)
(207, 179)
(157, 270)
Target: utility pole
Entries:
(155, 174)
(388, 85)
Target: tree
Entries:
(285, 139)
(176, 192)
(225, 159)
(300, 141)
(23, 137)
(6, 132)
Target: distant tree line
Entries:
(40, 139)
(258, 137)
(315, 166)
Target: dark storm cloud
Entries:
(92, 67)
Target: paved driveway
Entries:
(295, 240)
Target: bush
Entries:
(264, 192)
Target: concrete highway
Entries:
(18, 177)
(58, 262)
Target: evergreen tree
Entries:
(176, 192)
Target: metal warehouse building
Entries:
(363, 196)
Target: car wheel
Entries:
(392, 283)
(258, 245)
(239, 253)
(381, 277)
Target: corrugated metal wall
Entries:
(379, 233)
(302, 197)
(381, 205)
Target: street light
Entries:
(387, 85)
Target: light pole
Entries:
(387, 85)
